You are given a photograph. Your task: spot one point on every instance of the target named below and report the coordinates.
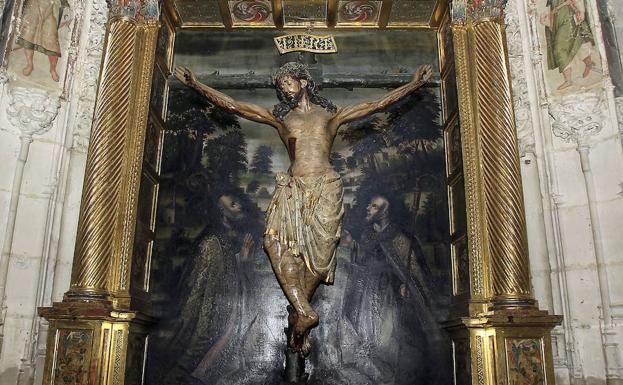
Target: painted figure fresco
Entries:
(364, 339)
(569, 43)
(390, 298)
(39, 32)
(303, 220)
(207, 333)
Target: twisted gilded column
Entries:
(496, 209)
(108, 208)
(96, 332)
(509, 337)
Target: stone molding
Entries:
(89, 74)
(619, 111)
(521, 101)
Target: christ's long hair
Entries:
(299, 72)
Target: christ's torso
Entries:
(309, 137)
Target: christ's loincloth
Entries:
(305, 215)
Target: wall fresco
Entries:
(571, 61)
(38, 56)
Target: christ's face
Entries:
(291, 87)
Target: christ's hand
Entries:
(423, 73)
(185, 75)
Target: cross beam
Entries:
(348, 81)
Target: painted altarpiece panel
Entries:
(222, 312)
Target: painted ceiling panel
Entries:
(199, 12)
(410, 12)
(305, 13)
(251, 13)
(359, 13)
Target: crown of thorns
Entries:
(293, 69)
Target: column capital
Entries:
(474, 11)
(140, 10)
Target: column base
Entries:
(512, 345)
(87, 296)
(90, 343)
(499, 303)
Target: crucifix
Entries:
(303, 220)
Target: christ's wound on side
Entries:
(304, 218)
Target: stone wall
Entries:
(44, 133)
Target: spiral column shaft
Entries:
(500, 265)
(109, 199)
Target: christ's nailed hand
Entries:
(185, 75)
(423, 73)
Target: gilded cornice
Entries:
(140, 10)
(474, 11)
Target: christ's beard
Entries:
(294, 101)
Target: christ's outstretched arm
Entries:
(246, 110)
(350, 113)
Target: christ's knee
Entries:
(270, 242)
(291, 267)
(273, 248)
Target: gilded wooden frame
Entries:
(497, 310)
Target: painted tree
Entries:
(262, 162)
(253, 186)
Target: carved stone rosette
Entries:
(97, 319)
(505, 327)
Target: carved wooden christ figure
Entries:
(304, 218)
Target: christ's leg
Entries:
(310, 284)
(298, 288)
(29, 53)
